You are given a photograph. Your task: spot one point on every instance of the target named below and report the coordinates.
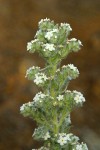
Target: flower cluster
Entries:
(52, 38)
(43, 20)
(79, 98)
(49, 47)
(40, 78)
(71, 70)
(41, 133)
(63, 138)
(27, 109)
(51, 33)
(29, 104)
(74, 40)
(67, 138)
(39, 97)
(67, 26)
(81, 146)
(31, 71)
(29, 44)
(72, 67)
(51, 107)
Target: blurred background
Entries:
(18, 24)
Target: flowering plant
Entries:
(51, 107)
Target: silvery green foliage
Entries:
(51, 107)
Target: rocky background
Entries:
(18, 24)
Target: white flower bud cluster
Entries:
(79, 98)
(67, 91)
(66, 25)
(27, 109)
(71, 71)
(49, 34)
(22, 107)
(44, 20)
(49, 47)
(39, 97)
(72, 67)
(81, 146)
(29, 44)
(29, 104)
(40, 78)
(74, 40)
(30, 69)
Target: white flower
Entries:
(28, 72)
(43, 20)
(49, 35)
(37, 33)
(75, 139)
(49, 47)
(64, 66)
(76, 92)
(39, 96)
(44, 77)
(62, 141)
(78, 97)
(47, 136)
(60, 97)
(29, 104)
(33, 41)
(68, 136)
(72, 67)
(73, 40)
(30, 69)
(66, 25)
(22, 107)
(63, 138)
(29, 46)
(79, 147)
(80, 43)
(68, 91)
(40, 78)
